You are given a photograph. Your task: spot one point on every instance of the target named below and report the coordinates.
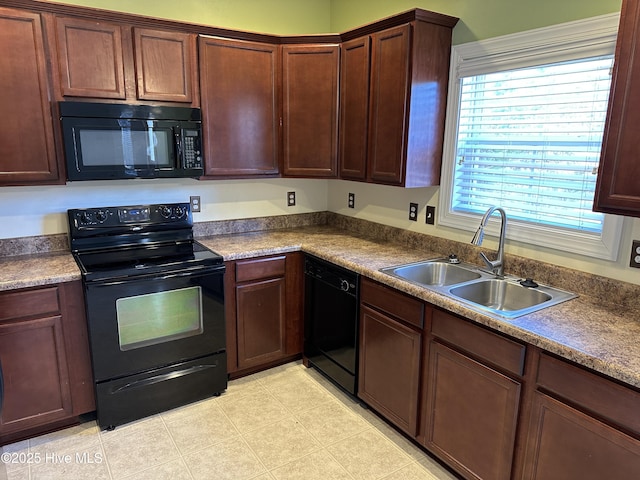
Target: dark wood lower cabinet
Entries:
(389, 368)
(44, 358)
(35, 373)
(389, 358)
(261, 321)
(264, 311)
(565, 443)
(491, 407)
(471, 414)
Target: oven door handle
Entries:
(168, 276)
(160, 378)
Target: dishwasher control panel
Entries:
(333, 275)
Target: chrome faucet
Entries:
(496, 266)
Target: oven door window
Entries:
(160, 317)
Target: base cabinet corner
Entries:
(44, 359)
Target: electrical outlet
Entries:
(635, 254)
(291, 199)
(352, 200)
(195, 203)
(413, 212)
(431, 215)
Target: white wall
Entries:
(390, 206)
(30, 211)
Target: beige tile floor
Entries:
(286, 423)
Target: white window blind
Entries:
(525, 120)
(529, 140)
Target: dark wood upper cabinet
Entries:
(393, 97)
(27, 149)
(389, 96)
(354, 107)
(165, 65)
(618, 188)
(408, 94)
(310, 110)
(98, 59)
(240, 107)
(90, 56)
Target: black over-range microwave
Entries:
(104, 141)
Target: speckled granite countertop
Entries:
(601, 337)
(22, 271)
(581, 330)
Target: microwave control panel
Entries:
(191, 149)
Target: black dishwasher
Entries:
(331, 321)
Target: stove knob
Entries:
(101, 216)
(165, 211)
(178, 211)
(85, 217)
(344, 285)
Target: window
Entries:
(525, 123)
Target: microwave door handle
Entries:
(177, 133)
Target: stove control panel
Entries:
(126, 217)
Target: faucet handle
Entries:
(488, 262)
(493, 265)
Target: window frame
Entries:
(568, 41)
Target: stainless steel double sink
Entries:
(479, 290)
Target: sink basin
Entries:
(500, 295)
(479, 290)
(433, 273)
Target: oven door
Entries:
(146, 322)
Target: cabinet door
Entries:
(354, 108)
(471, 414)
(310, 104)
(27, 151)
(389, 95)
(165, 65)
(261, 317)
(240, 107)
(618, 188)
(90, 58)
(389, 366)
(35, 374)
(565, 443)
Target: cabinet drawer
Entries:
(260, 268)
(25, 303)
(485, 345)
(600, 396)
(392, 302)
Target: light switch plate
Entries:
(431, 215)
